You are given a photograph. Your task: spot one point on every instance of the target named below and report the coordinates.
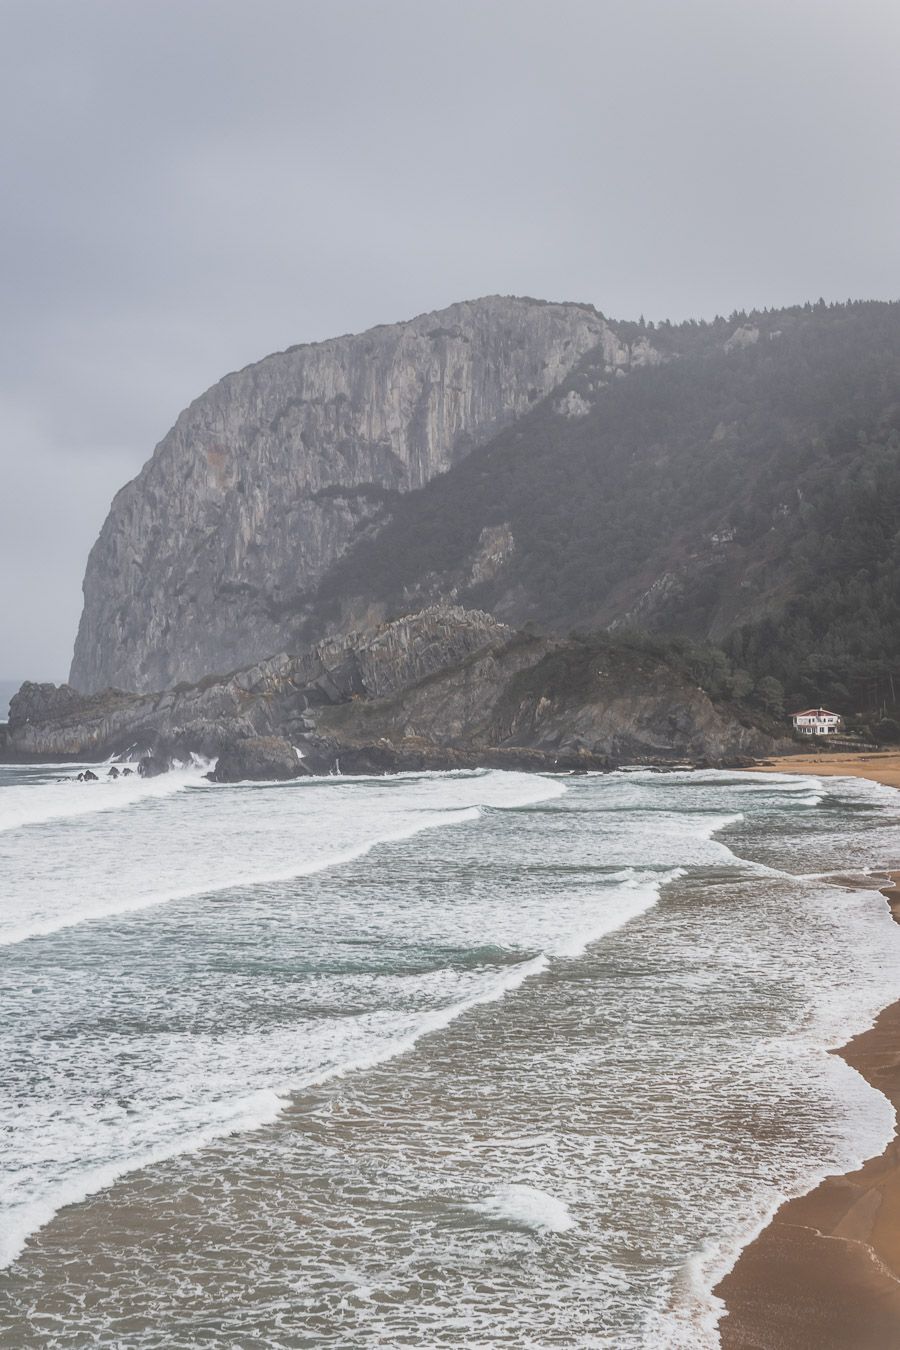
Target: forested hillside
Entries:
(743, 491)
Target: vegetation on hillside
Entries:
(837, 639)
(749, 497)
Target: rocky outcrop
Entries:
(259, 758)
(279, 696)
(444, 688)
(603, 701)
(744, 336)
(207, 559)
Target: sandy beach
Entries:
(881, 766)
(825, 1273)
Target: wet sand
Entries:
(825, 1273)
(881, 766)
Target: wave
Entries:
(506, 791)
(589, 912)
(112, 909)
(42, 803)
(715, 823)
(517, 1204)
(691, 1318)
(772, 784)
(22, 1221)
(640, 893)
(244, 1114)
(436, 1020)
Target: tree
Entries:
(740, 684)
(770, 694)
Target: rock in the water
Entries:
(88, 777)
(263, 758)
(151, 766)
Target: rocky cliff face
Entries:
(437, 689)
(206, 559)
(564, 701)
(281, 695)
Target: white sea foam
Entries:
(526, 1207)
(263, 824)
(22, 1220)
(40, 803)
(92, 912)
(865, 1127)
(25, 1217)
(616, 1078)
(438, 1020)
(235, 837)
(638, 892)
(689, 1319)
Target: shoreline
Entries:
(878, 766)
(824, 1274)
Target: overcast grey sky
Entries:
(190, 184)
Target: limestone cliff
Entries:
(207, 558)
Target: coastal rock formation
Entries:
(444, 688)
(606, 701)
(278, 696)
(207, 558)
(258, 758)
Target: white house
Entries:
(816, 722)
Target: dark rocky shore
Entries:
(444, 688)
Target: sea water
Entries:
(482, 1058)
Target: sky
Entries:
(189, 185)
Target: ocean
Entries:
(480, 1058)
